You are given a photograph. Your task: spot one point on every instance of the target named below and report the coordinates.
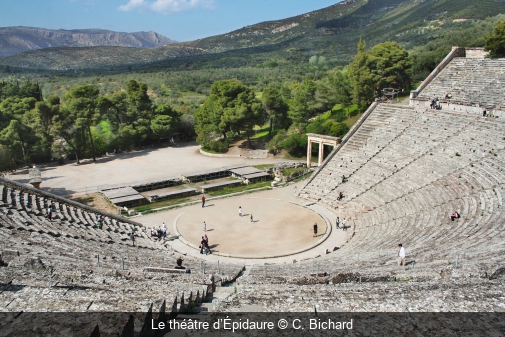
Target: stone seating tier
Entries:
(470, 81)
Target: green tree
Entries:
(18, 137)
(361, 78)
(341, 87)
(6, 160)
(138, 112)
(275, 107)
(495, 43)
(231, 107)
(63, 125)
(81, 103)
(390, 65)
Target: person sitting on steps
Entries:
(455, 215)
(179, 264)
(340, 196)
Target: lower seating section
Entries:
(366, 296)
(45, 259)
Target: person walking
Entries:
(240, 211)
(294, 190)
(207, 248)
(203, 201)
(202, 245)
(401, 255)
(338, 222)
(315, 229)
(204, 226)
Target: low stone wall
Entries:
(219, 155)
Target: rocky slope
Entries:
(15, 40)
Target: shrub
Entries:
(296, 144)
(276, 144)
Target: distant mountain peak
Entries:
(18, 39)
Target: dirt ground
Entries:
(279, 226)
(96, 200)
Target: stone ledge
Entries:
(165, 270)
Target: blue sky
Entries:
(181, 20)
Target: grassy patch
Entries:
(212, 151)
(229, 190)
(262, 133)
(154, 205)
(300, 178)
(263, 166)
(287, 171)
(352, 120)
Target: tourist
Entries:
(401, 255)
(154, 232)
(202, 245)
(203, 201)
(239, 211)
(204, 226)
(252, 218)
(315, 229)
(132, 238)
(484, 112)
(338, 222)
(179, 264)
(164, 230)
(343, 178)
(294, 190)
(160, 233)
(340, 196)
(206, 239)
(100, 222)
(455, 215)
(207, 248)
(49, 212)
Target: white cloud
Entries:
(165, 6)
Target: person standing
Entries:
(203, 201)
(294, 190)
(401, 255)
(240, 211)
(164, 230)
(338, 222)
(204, 226)
(315, 229)
(50, 212)
(252, 218)
(132, 238)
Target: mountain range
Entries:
(15, 40)
(332, 32)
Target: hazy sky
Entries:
(181, 20)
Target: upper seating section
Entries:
(406, 171)
(469, 81)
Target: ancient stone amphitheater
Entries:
(407, 168)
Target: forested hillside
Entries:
(332, 33)
(271, 94)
